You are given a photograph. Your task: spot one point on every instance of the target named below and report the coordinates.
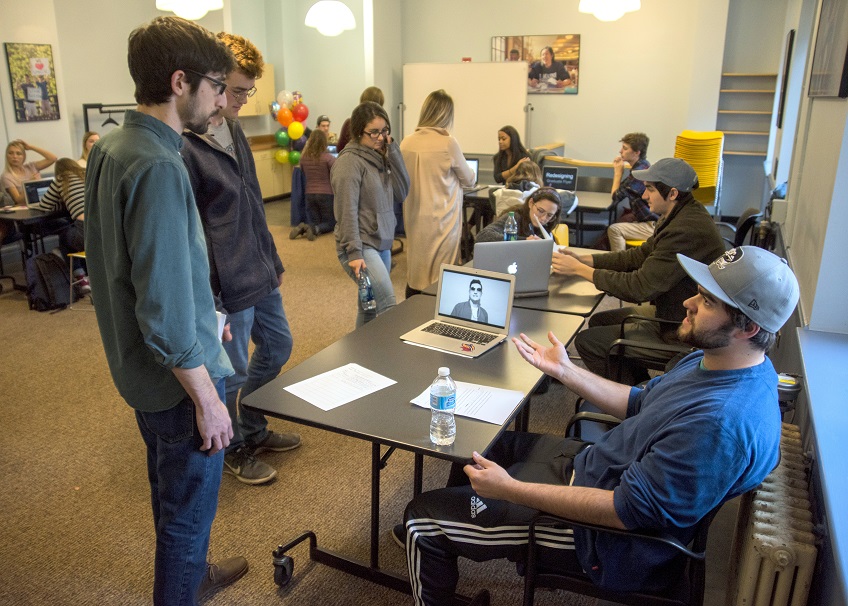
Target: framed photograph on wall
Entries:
(829, 76)
(553, 62)
(33, 81)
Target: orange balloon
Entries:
(284, 116)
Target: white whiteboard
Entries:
(486, 96)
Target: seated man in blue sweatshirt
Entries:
(702, 434)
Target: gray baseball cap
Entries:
(674, 172)
(751, 279)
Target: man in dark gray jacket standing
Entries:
(245, 270)
(647, 274)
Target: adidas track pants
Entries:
(454, 521)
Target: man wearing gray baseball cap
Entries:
(648, 275)
(703, 433)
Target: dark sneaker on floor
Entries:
(310, 234)
(298, 231)
(247, 468)
(399, 535)
(277, 442)
(220, 575)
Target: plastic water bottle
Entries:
(510, 228)
(442, 405)
(366, 293)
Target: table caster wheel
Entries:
(283, 570)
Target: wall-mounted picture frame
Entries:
(829, 75)
(553, 61)
(33, 80)
(787, 62)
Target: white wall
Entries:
(18, 25)
(635, 74)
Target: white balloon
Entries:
(284, 98)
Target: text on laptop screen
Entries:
(463, 296)
(474, 165)
(560, 177)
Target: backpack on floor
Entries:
(48, 284)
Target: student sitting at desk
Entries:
(647, 274)
(526, 179)
(692, 439)
(510, 153)
(541, 207)
(19, 170)
(88, 141)
(67, 192)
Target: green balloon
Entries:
(294, 157)
(282, 138)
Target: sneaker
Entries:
(247, 468)
(277, 442)
(83, 286)
(220, 575)
(310, 234)
(298, 231)
(399, 535)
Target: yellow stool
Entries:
(633, 243)
(71, 257)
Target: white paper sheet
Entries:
(340, 386)
(490, 404)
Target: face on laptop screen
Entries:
(467, 296)
(474, 165)
(560, 177)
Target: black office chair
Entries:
(734, 235)
(668, 352)
(688, 590)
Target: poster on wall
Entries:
(33, 82)
(553, 62)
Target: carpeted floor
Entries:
(75, 505)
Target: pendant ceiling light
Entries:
(330, 17)
(609, 10)
(189, 9)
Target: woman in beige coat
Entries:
(432, 212)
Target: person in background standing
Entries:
(372, 93)
(432, 212)
(368, 178)
(149, 269)
(316, 163)
(88, 141)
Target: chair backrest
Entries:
(746, 221)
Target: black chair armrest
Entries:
(545, 519)
(596, 417)
(617, 350)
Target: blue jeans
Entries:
(184, 486)
(267, 325)
(379, 264)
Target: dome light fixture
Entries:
(189, 9)
(609, 10)
(330, 17)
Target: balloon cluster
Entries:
(290, 111)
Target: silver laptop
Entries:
(35, 189)
(528, 260)
(474, 165)
(473, 308)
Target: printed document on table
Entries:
(340, 386)
(490, 404)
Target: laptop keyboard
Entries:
(462, 334)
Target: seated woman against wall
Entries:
(67, 191)
(19, 170)
(510, 154)
(88, 141)
(540, 208)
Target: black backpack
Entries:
(48, 283)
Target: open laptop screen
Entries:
(474, 165)
(462, 293)
(35, 189)
(560, 177)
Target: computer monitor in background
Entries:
(560, 177)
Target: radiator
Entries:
(774, 546)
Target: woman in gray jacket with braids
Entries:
(368, 178)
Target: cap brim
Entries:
(702, 276)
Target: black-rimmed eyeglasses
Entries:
(222, 86)
(374, 134)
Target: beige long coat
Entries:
(432, 212)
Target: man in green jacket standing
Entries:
(650, 274)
